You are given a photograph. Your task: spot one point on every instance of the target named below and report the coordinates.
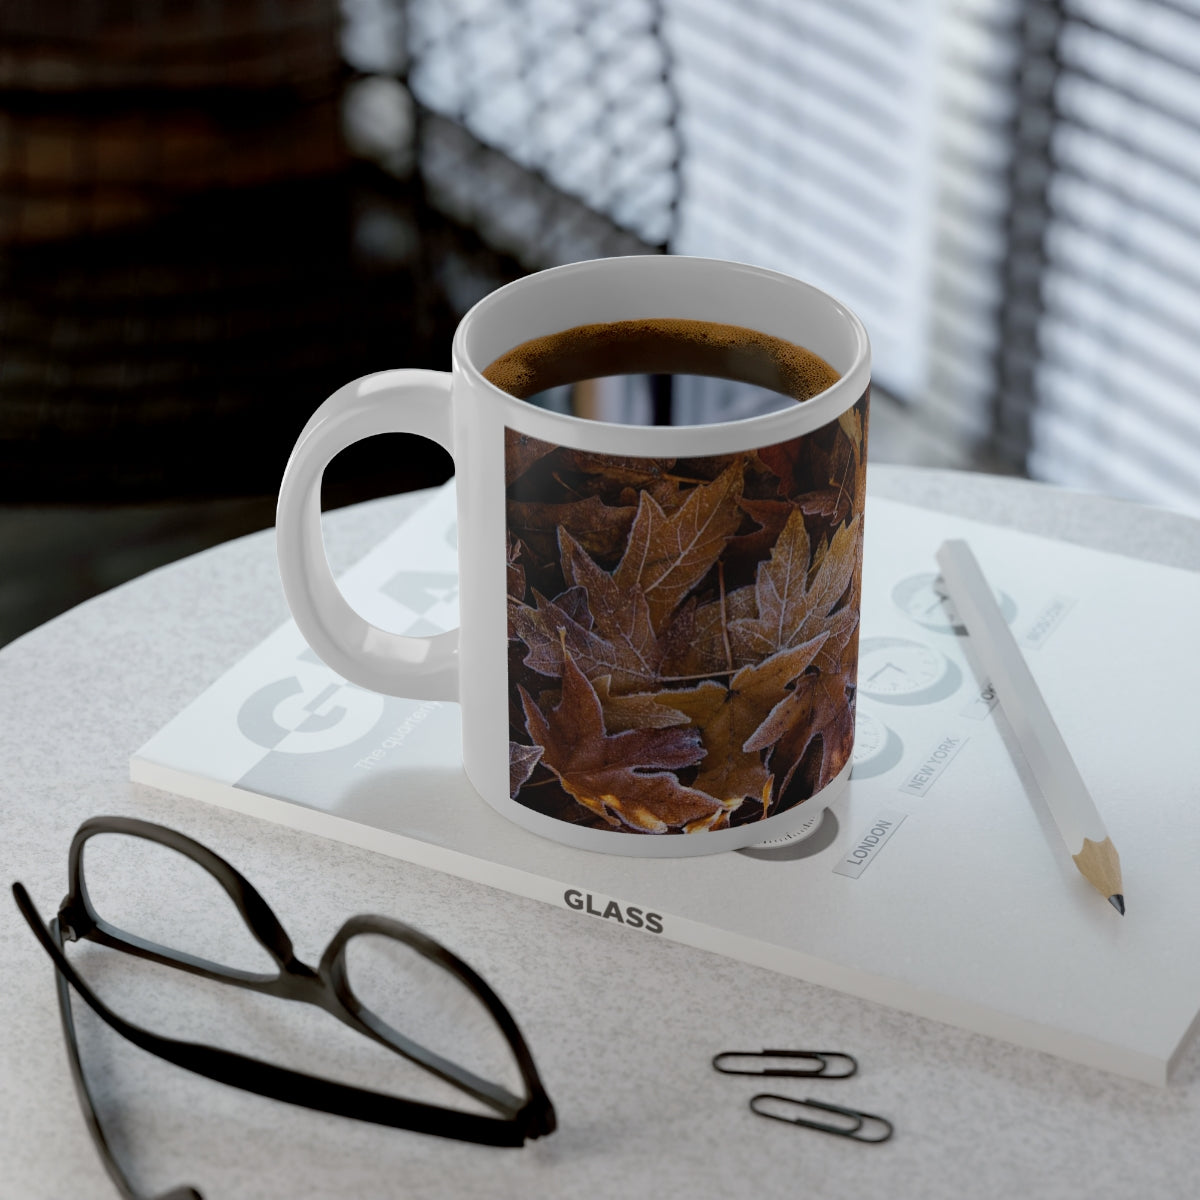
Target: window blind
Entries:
(1115, 402)
(1006, 191)
(575, 92)
(808, 147)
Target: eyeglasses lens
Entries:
(194, 914)
(428, 1004)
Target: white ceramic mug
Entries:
(557, 734)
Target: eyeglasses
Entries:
(327, 986)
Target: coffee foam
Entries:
(661, 345)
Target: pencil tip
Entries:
(1118, 902)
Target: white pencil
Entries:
(1066, 796)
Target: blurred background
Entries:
(215, 212)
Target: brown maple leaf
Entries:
(836, 500)
(839, 655)
(602, 528)
(617, 469)
(521, 452)
(634, 710)
(697, 640)
(821, 707)
(781, 459)
(626, 778)
(851, 423)
(732, 721)
(574, 602)
(669, 493)
(795, 596)
(771, 516)
(621, 615)
(516, 572)
(823, 472)
(854, 423)
(694, 642)
(521, 761)
(565, 625)
(668, 554)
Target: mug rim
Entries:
(739, 433)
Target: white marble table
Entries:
(623, 1027)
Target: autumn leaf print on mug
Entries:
(683, 633)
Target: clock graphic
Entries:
(818, 833)
(877, 749)
(924, 598)
(897, 670)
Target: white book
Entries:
(936, 884)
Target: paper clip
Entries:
(821, 1058)
(852, 1131)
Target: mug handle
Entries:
(409, 401)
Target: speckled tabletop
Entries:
(623, 1027)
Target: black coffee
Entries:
(661, 371)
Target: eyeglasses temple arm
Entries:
(86, 1103)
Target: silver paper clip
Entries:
(822, 1060)
(764, 1102)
